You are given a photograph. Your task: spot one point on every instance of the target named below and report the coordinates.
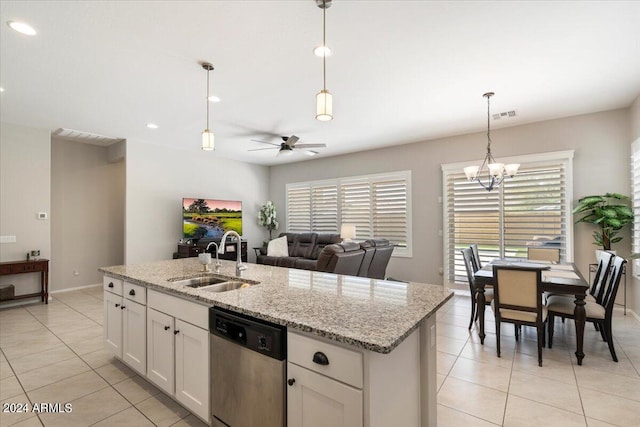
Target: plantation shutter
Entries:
(324, 208)
(635, 200)
(473, 216)
(378, 205)
(531, 209)
(298, 208)
(534, 210)
(389, 204)
(355, 206)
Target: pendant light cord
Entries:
(488, 126)
(324, 44)
(207, 98)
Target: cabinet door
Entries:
(160, 350)
(192, 368)
(314, 400)
(113, 324)
(134, 335)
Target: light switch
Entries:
(7, 239)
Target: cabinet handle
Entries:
(132, 292)
(176, 332)
(320, 358)
(122, 307)
(166, 328)
(110, 284)
(117, 305)
(291, 381)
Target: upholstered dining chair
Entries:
(543, 254)
(467, 256)
(517, 299)
(600, 313)
(476, 257)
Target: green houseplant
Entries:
(610, 212)
(267, 217)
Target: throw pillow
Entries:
(278, 247)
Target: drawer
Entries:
(112, 285)
(344, 365)
(194, 313)
(135, 293)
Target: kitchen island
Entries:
(385, 330)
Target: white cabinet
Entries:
(178, 351)
(314, 400)
(125, 322)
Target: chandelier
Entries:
(495, 172)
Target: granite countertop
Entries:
(376, 315)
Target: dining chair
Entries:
(467, 256)
(517, 299)
(599, 313)
(476, 256)
(543, 254)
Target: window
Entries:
(379, 206)
(531, 209)
(635, 200)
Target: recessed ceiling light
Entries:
(22, 28)
(322, 51)
(214, 98)
(152, 126)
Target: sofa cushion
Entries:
(305, 263)
(286, 261)
(323, 240)
(278, 247)
(303, 245)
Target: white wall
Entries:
(601, 164)
(25, 186)
(157, 180)
(87, 213)
(633, 298)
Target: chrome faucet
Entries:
(240, 267)
(218, 264)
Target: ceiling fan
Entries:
(288, 144)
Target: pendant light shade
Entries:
(324, 106)
(324, 99)
(208, 141)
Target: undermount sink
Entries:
(213, 282)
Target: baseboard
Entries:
(76, 288)
(18, 303)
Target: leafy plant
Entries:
(610, 212)
(267, 217)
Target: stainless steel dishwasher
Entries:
(248, 368)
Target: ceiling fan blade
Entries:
(265, 142)
(260, 149)
(291, 141)
(310, 152)
(311, 145)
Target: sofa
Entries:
(326, 252)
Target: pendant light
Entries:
(207, 135)
(495, 172)
(324, 99)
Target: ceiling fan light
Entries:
(324, 106)
(285, 152)
(322, 51)
(208, 143)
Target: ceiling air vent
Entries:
(504, 115)
(85, 137)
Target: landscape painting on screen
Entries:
(209, 218)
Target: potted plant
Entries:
(610, 212)
(267, 217)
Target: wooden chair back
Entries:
(609, 296)
(476, 257)
(600, 278)
(467, 256)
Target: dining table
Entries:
(560, 278)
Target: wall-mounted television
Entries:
(210, 218)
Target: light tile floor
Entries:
(476, 388)
(53, 353)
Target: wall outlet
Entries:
(432, 333)
(7, 239)
(42, 215)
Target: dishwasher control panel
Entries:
(255, 334)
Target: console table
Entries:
(36, 266)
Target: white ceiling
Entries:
(402, 71)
